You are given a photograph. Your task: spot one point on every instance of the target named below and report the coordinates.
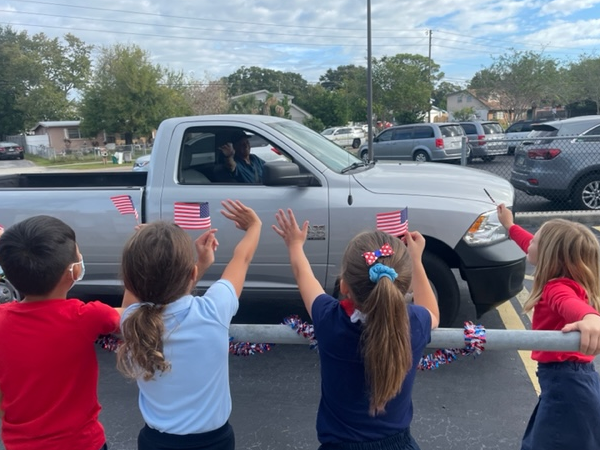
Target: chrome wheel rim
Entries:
(590, 195)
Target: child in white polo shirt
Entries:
(176, 345)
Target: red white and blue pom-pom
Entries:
(247, 348)
(304, 329)
(474, 345)
(109, 342)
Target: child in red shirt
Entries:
(565, 296)
(48, 366)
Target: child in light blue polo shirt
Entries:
(175, 344)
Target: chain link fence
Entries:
(119, 154)
(555, 173)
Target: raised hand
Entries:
(415, 244)
(227, 150)
(243, 216)
(505, 216)
(288, 228)
(206, 245)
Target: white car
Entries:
(345, 136)
(260, 148)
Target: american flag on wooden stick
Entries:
(124, 204)
(394, 223)
(192, 216)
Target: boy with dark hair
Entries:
(48, 365)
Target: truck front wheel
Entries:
(7, 292)
(444, 287)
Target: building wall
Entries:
(57, 136)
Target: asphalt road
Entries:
(470, 404)
(275, 395)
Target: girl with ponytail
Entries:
(176, 344)
(371, 342)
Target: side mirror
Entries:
(376, 139)
(284, 173)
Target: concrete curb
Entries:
(538, 218)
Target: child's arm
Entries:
(294, 238)
(589, 327)
(245, 219)
(206, 246)
(422, 293)
(521, 236)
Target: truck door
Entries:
(196, 176)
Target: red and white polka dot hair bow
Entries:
(371, 257)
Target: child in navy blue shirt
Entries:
(370, 343)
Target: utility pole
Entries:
(429, 81)
(369, 86)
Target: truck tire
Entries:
(442, 280)
(356, 143)
(444, 287)
(7, 292)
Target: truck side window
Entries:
(197, 158)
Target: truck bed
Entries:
(74, 180)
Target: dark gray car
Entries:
(560, 160)
(417, 142)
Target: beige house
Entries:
(297, 114)
(65, 135)
(485, 107)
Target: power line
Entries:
(514, 44)
(191, 18)
(179, 27)
(189, 38)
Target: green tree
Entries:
(402, 86)
(441, 92)
(464, 114)
(328, 107)
(585, 79)
(40, 78)
(249, 104)
(129, 95)
(520, 80)
(250, 79)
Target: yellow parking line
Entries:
(597, 228)
(529, 277)
(512, 321)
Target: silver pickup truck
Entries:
(338, 193)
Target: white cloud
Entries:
(567, 7)
(309, 38)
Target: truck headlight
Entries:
(485, 230)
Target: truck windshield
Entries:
(330, 154)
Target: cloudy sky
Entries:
(209, 39)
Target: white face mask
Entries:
(81, 273)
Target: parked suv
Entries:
(486, 139)
(345, 136)
(417, 142)
(518, 131)
(564, 168)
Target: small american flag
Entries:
(124, 204)
(394, 223)
(192, 216)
